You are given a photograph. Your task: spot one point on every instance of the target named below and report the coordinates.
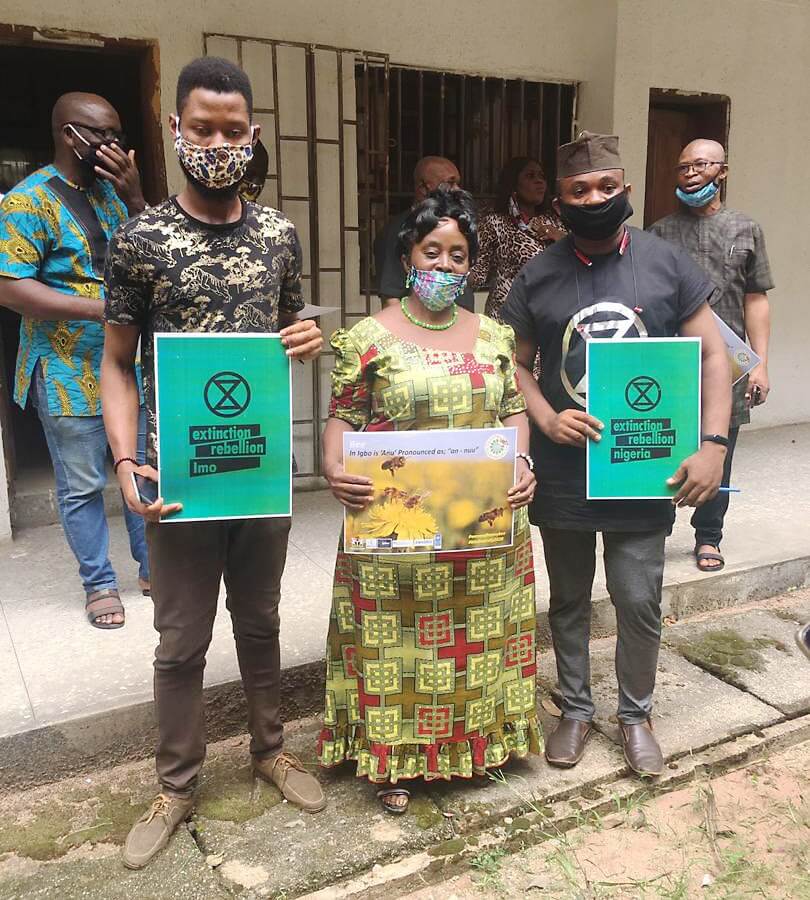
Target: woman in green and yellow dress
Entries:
(431, 656)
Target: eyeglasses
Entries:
(105, 135)
(699, 165)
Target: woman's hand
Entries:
(548, 232)
(522, 492)
(353, 491)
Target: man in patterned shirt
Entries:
(205, 261)
(730, 248)
(54, 228)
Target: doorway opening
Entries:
(36, 67)
(675, 119)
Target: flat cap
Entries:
(588, 153)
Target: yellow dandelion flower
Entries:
(395, 518)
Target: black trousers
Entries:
(634, 565)
(707, 520)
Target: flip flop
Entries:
(103, 603)
(394, 792)
(717, 557)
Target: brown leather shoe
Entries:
(641, 749)
(288, 774)
(152, 831)
(565, 746)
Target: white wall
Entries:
(757, 52)
(534, 39)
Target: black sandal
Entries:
(394, 809)
(717, 557)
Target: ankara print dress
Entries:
(431, 656)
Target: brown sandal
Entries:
(103, 603)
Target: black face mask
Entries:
(88, 162)
(599, 221)
(87, 154)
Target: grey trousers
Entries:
(634, 565)
(188, 561)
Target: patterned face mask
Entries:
(216, 167)
(436, 290)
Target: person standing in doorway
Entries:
(205, 261)
(603, 281)
(430, 173)
(730, 248)
(54, 229)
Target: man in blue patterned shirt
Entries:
(54, 229)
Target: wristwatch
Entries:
(529, 460)
(714, 439)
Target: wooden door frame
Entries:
(153, 163)
(674, 98)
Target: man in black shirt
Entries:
(606, 280)
(204, 261)
(430, 173)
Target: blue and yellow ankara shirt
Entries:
(57, 233)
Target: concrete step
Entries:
(75, 698)
(62, 840)
(34, 501)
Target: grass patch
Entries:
(55, 828)
(724, 652)
(232, 794)
(488, 865)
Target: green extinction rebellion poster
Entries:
(646, 391)
(224, 423)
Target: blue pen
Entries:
(730, 490)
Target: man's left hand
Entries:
(522, 492)
(119, 168)
(699, 476)
(759, 386)
(303, 339)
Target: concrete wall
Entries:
(755, 52)
(537, 39)
(5, 513)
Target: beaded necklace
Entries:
(403, 303)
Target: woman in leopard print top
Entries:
(521, 225)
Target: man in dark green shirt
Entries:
(730, 248)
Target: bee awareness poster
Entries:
(434, 491)
(224, 425)
(646, 392)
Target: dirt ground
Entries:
(742, 834)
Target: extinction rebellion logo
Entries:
(637, 439)
(226, 448)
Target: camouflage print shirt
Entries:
(167, 271)
(730, 248)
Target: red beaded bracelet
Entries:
(118, 462)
